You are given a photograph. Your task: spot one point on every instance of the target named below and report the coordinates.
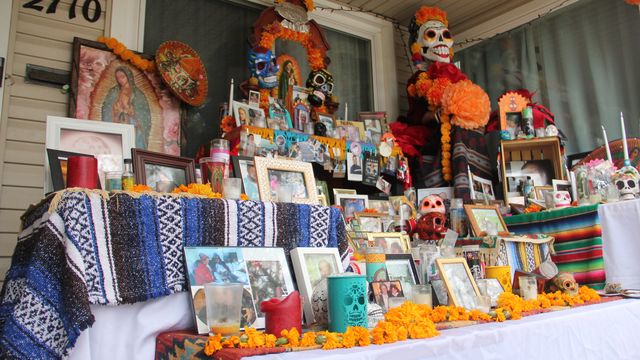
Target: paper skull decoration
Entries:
(564, 282)
(431, 226)
(432, 203)
(430, 37)
(561, 199)
(355, 304)
(626, 180)
(319, 303)
(320, 83)
(376, 314)
(263, 66)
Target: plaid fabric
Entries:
(94, 249)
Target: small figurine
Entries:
(564, 282)
(561, 199)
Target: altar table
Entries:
(81, 250)
(578, 240)
(601, 331)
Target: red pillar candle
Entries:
(82, 171)
(281, 314)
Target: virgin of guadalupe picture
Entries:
(288, 77)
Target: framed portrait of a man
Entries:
(109, 89)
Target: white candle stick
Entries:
(606, 144)
(230, 99)
(624, 140)
(346, 111)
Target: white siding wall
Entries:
(41, 39)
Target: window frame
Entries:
(127, 25)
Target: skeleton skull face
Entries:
(435, 41)
(566, 283)
(627, 184)
(432, 203)
(355, 305)
(320, 82)
(561, 199)
(263, 66)
(431, 226)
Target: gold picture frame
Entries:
(540, 190)
(490, 213)
(397, 201)
(269, 170)
(398, 238)
(461, 286)
(370, 222)
(322, 200)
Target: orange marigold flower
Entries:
(292, 335)
(467, 103)
(213, 344)
(426, 13)
(141, 188)
(436, 91)
(244, 197)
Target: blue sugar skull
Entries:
(263, 66)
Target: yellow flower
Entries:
(292, 335)
(244, 197)
(213, 344)
(308, 339)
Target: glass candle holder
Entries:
(347, 295)
(113, 180)
(396, 301)
(376, 267)
(421, 294)
(224, 302)
(448, 252)
(232, 188)
(483, 303)
(528, 287)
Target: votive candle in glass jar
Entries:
(376, 266)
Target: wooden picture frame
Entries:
(370, 222)
(273, 170)
(491, 213)
(311, 266)
(376, 123)
(338, 191)
(58, 169)
(540, 190)
(393, 261)
(360, 203)
(328, 120)
(322, 200)
(461, 287)
(95, 86)
(150, 167)
(382, 239)
(246, 110)
(241, 166)
(511, 103)
(356, 124)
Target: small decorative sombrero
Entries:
(617, 153)
(182, 71)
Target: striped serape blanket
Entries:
(578, 240)
(88, 247)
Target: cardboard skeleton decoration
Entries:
(320, 83)
(262, 65)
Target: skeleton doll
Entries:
(262, 65)
(320, 83)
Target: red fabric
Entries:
(450, 71)
(410, 138)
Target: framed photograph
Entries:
(354, 167)
(323, 188)
(246, 114)
(461, 286)
(392, 243)
(296, 175)
(370, 222)
(483, 217)
(109, 89)
(58, 167)
(352, 134)
(264, 272)
(337, 191)
(381, 206)
(322, 200)
(245, 169)
(375, 124)
(162, 172)
(358, 240)
(402, 204)
(371, 171)
(561, 185)
(279, 117)
(511, 106)
(492, 288)
(351, 203)
(254, 98)
(541, 190)
(540, 171)
(328, 120)
(401, 267)
(311, 266)
(110, 143)
(383, 290)
(440, 291)
(301, 107)
(481, 188)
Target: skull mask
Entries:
(432, 203)
(564, 282)
(263, 66)
(320, 82)
(562, 199)
(627, 183)
(431, 226)
(435, 41)
(355, 305)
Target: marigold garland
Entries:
(276, 31)
(197, 189)
(125, 54)
(445, 149)
(141, 188)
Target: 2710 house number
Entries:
(53, 6)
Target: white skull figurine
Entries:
(435, 41)
(627, 182)
(561, 199)
(432, 203)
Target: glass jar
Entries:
(428, 268)
(458, 218)
(218, 164)
(376, 266)
(128, 179)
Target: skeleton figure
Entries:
(432, 203)
(320, 83)
(564, 282)
(262, 65)
(435, 41)
(626, 180)
(561, 199)
(355, 306)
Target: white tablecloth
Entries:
(620, 222)
(603, 331)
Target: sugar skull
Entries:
(564, 282)
(320, 83)
(431, 226)
(262, 65)
(627, 182)
(319, 303)
(355, 305)
(561, 199)
(432, 203)
(435, 41)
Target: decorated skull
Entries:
(627, 182)
(432, 203)
(319, 303)
(435, 41)
(355, 305)
(564, 282)
(320, 83)
(262, 65)
(431, 226)
(562, 199)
